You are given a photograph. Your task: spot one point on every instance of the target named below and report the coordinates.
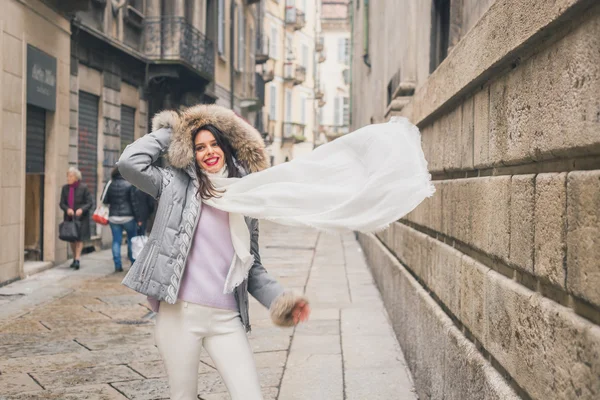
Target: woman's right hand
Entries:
(70, 212)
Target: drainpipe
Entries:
(366, 35)
(351, 59)
(232, 52)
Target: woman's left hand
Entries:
(301, 311)
(79, 212)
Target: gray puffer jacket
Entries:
(158, 270)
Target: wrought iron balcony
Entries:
(169, 40)
(294, 18)
(294, 73)
(320, 44)
(71, 6)
(293, 133)
(262, 49)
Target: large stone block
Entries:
(12, 130)
(436, 152)
(472, 292)
(481, 126)
(490, 202)
(550, 227)
(12, 93)
(451, 130)
(11, 205)
(583, 235)
(545, 347)
(12, 48)
(522, 202)
(445, 274)
(467, 134)
(12, 171)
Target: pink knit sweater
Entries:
(208, 263)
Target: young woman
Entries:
(76, 202)
(122, 215)
(188, 266)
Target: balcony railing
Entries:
(262, 49)
(320, 44)
(71, 6)
(174, 40)
(294, 73)
(293, 133)
(294, 18)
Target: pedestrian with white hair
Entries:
(76, 202)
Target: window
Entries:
(241, 26)
(305, 56)
(273, 42)
(344, 51)
(440, 33)
(346, 111)
(304, 6)
(337, 116)
(288, 105)
(221, 28)
(289, 49)
(303, 110)
(272, 102)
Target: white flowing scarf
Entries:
(362, 181)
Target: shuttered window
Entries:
(87, 146)
(127, 126)
(36, 140)
(272, 102)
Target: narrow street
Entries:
(81, 335)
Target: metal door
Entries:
(87, 150)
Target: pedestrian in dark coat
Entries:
(122, 215)
(76, 202)
(144, 206)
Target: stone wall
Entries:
(493, 284)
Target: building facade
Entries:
(34, 83)
(82, 79)
(288, 43)
(493, 284)
(333, 83)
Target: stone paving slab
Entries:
(82, 335)
(92, 392)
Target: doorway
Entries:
(34, 183)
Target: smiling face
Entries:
(209, 155)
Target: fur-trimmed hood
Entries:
(246, 140)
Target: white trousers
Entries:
(181, 331)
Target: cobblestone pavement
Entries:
(82, 335)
